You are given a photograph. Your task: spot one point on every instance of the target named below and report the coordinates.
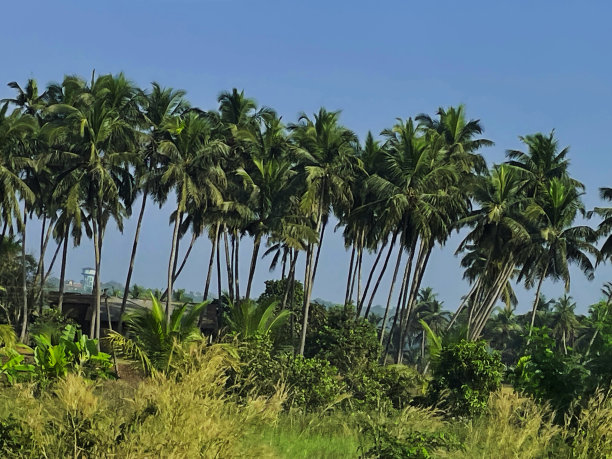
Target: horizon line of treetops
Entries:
(78, 154)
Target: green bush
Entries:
(71, 352)
(345, 341)
(463, 377)
(547, 375)
(312, 383)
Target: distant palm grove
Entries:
(405, 379)
(77, 154)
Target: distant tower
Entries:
(88, 279)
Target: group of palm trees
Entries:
(78, 154)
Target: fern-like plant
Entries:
(151, 339)
(248, 319)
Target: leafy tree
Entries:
(470, 372)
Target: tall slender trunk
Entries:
(350, 276)
(490, 300)
(94, 330)
(291, 279)
(395, 271)
(219, 280)
(401, 300)
(284, 264)
(310, 275)
(359, 264)
(370, 277)
(306, 303)
(381, 275)
(178, 272)
(229, 262)
(466, 298)
(177, 250)
(319, 245)
(171, 264)
(256, 245)
(53, 260)
(128, 279)
(564, 343)
(236, 265)
(536, 301)
(417, 277)
(24, 284)
(60, 300)
(45, 235)
(211, 262)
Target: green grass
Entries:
(296, 436)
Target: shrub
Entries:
(413, 433)
(345, 341)
(313, 383)
(548, 375)
(71, 352)
(464, 375)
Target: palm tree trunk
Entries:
(219, 280)
(211, 262)
(369, 281)
(178, 272)
(171, 265)
(236, 264)
(536, 301)
(359, 264)
(381, 275)
(419, 271)
(53, 260)
(291, 279)
(306, 304)
(350, 277)
(128, 279)
(178, 249)
(319, 245)
(24, 284)
(490, 300)
(95, 320)
(466, 298)
(60, 300)
(229, 262)
(40, 270)
(256, 245)
(401, 300)
(384, 321)
(564, 344)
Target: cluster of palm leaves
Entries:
(78, 155)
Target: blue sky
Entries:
(520, 67)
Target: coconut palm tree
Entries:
(497, 236)
(566, 323)
(552, 216)
(193, 171)
(328, 163)
(93, 130)
(160, 105)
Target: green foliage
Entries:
(412, 433)
(71, 352)
(313, 383)
(464, 376)
(275, 292)
(548, 375)
(248, 319)
(51, 323)
(152, 339)
(13, 366)
(345, 341)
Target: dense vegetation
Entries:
(285, 375)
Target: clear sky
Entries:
(520, 67)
